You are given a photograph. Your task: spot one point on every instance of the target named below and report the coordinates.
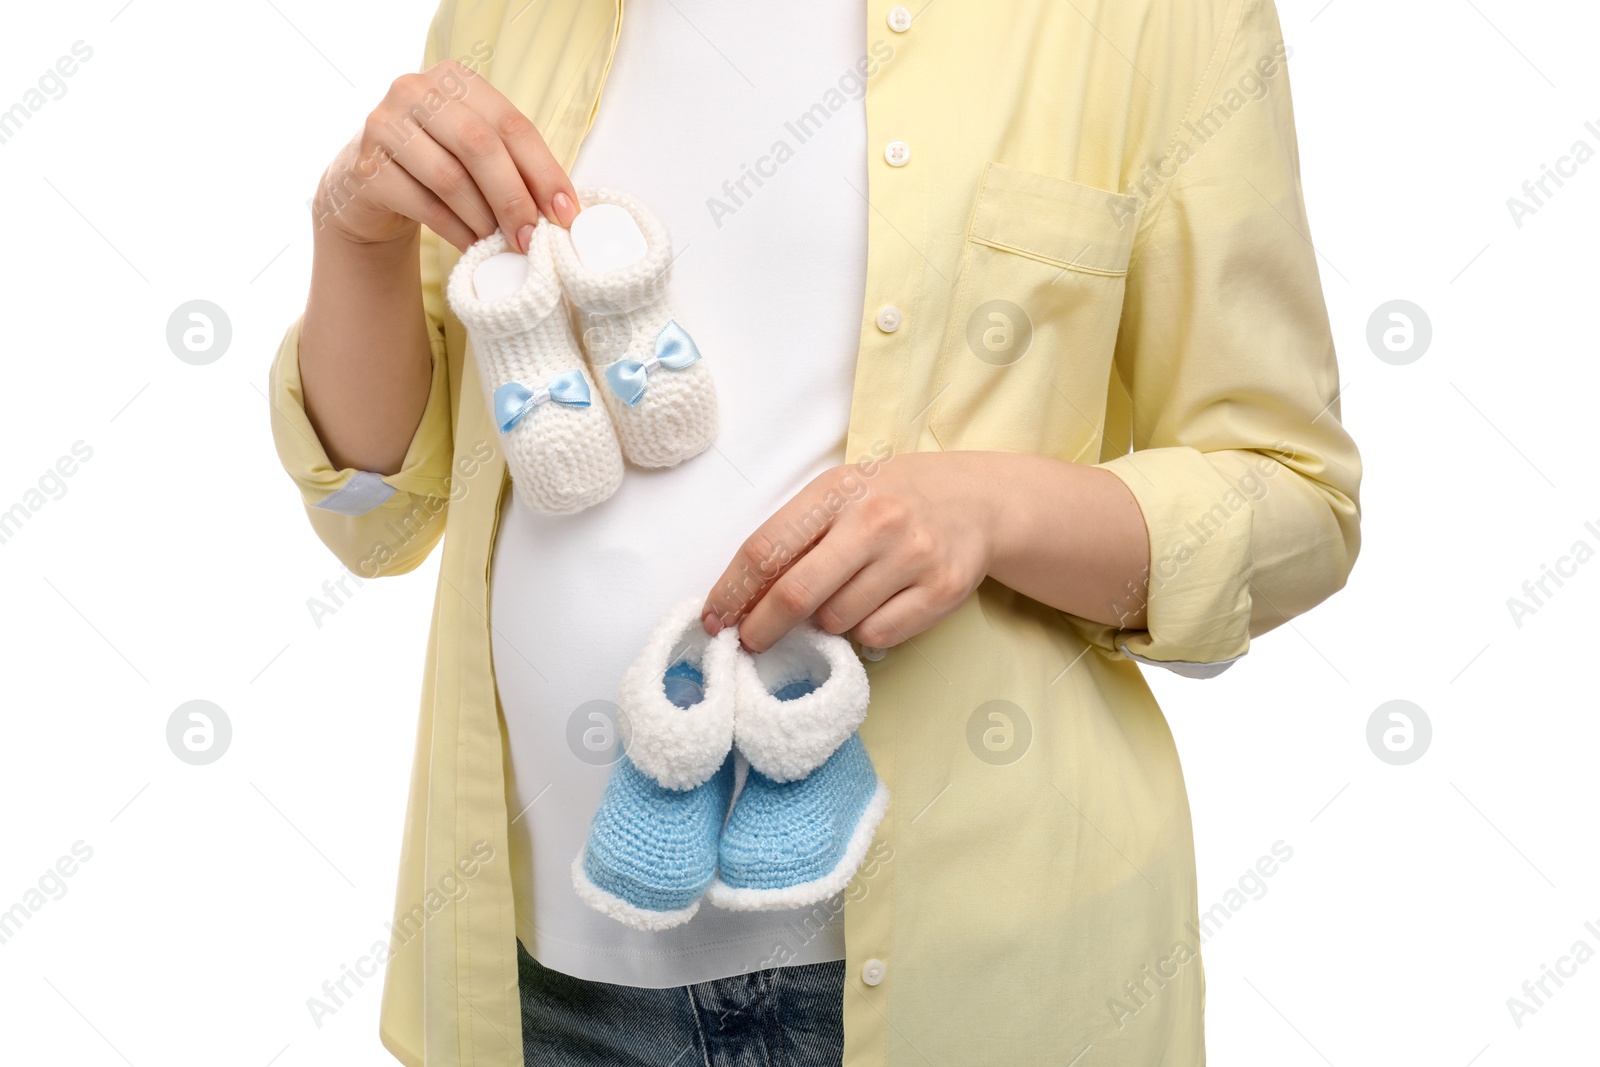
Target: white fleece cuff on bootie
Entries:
(659, 390)
(788, 739)
(680, 747)
(559, 444)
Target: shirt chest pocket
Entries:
(1025, 360)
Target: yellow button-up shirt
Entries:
(1089, 217)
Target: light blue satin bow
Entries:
(675, 350)
(513, 400)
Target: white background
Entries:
(178, 563)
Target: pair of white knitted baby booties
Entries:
(571, 404)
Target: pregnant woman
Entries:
(1025, 384)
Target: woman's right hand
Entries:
(447, 150)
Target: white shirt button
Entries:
(899, 19)
(898, 153)
(872, 971)
(873, 653)
(888, 318)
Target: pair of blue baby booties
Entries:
(683, 819)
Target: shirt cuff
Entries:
(364, 491)
(346, 490)
(1198, 606)
(1187, 670)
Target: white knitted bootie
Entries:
(560, 446)
(659, 391)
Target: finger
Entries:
(402, 193)
(398, 130)
(864, 593)
(765, 554)
(543, 175)
(465, 153)
(904, 616)
(438, 170)
(803, 588)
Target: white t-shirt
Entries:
(769, 279)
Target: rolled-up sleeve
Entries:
(1246, 478)
(376, 524)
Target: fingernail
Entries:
(712, 624)
(565, 211)
(524, 238)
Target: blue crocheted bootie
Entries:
(804, 818)
(652, 848)
(794, 844)
(652, 851)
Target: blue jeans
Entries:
(784, 1017)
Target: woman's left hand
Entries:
(882, 550)
(878, 550)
